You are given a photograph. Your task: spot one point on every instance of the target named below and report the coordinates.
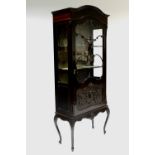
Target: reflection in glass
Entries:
(97, 52)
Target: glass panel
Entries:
(62, 54)
(83, 44)
(97, 52)
(88, 49)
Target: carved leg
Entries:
(108, 113)
(92, 123)
(72, 124)
(56, 125)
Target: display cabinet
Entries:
(80, 65)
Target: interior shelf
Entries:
(79, 67)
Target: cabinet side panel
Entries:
(62, 94)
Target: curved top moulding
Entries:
(85, 11)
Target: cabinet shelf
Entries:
(62, 46)
(80, 67)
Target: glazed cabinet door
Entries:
(89, 38)
(88, 50)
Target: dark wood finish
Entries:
(79, 94)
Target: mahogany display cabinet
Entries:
(80, 65)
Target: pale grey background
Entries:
(42, 138)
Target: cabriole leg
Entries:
(108, 113)
(56, 125)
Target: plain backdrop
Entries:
(42, 137)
